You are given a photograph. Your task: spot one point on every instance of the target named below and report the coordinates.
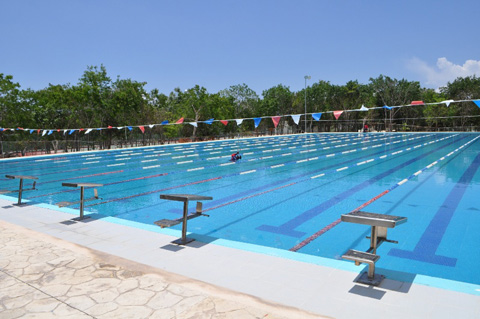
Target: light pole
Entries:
(307, 77)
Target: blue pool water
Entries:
(288, 188)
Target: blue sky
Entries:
(217, 44)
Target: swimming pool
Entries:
(288, 188)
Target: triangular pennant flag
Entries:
(142, 128)
(120, 127)
(193, 124)
(337, 114)
(109, 127)
(239, 121)
(71, 131)
(296, 118)
(363, 108)
(477, 102)
(44, 132)
(257, 121)
(12, 129)
(50, 132)
(38, 132)
(275, 120)
(387, 107)
(88, 131)
(81, 129)
(58, 130)
(151, 125)
(20, 128)
(64, 131)
(129, 128)
(31, 131)
(209, 122)
(180, 121)
(164, 122)
(317, 116)
(417, 103)
(447, 102)
(224, 122)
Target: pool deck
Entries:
(200, 280)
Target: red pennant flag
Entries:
(38, 132)
(180, 121)
(58, 130)
(109, 127)
(417, 103)
(142, 128)
(224, 122)
(275, 120)
(80, 130)
(337, 114)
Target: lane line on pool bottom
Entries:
(402, 182)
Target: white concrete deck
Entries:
(318, 289)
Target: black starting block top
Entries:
(373, 219)
(184, 197)
(20, 177)
(82, 184)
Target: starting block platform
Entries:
(82, 196)
(185, 198)
(20, 187)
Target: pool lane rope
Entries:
(272, 167)
(249, 171)
(402, 182)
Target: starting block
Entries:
(20, 188)
(82, 195)
(185, 198)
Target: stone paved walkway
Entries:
(44, 277)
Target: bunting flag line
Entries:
(296, 118)
(276, 120)
(257, 121)
(447, 102)
(317, 116)
(337, 114)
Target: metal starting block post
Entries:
(20, 187)
(379, 225)
(82, 196)
(185, 198)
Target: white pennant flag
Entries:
(296, 118)
(151, 125)
(363, 108)
(88, 131)
(44, 132)
(447, 102)
(64, 132)
(193, 123)
(239, 121)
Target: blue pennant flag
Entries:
(50, 132)
(257, 121)
(317, 116)
(164, 122)
(129, 128)
(31, 131)
(387, 107)
(477, 102)
(71, 131)
(210, 121)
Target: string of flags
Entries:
(256, 120)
